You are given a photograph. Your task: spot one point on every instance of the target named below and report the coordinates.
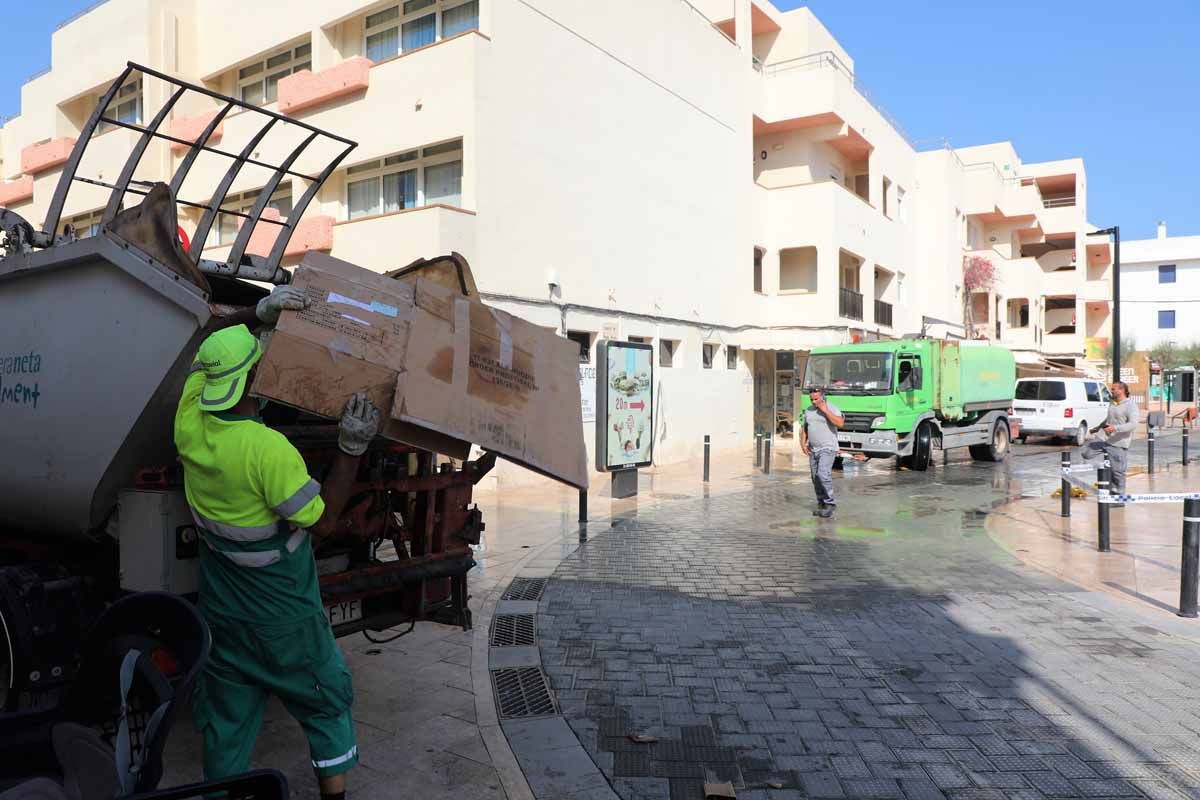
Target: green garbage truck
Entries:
(904, 398)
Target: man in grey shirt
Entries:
(818, 440)
(1118, 435)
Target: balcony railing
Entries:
(883, 313)
(1058, 202)
(850, 303)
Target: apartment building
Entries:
(1160, 290)
(596, 175)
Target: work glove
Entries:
(280, 298)
(360, 423)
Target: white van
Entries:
(1067, 407)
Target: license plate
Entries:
(349, 611)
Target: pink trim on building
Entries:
(312, 233)
(306, 89)
(16, 191)
(46, 155)
(190, 128)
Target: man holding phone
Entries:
(818, 440)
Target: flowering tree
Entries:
(979, 275)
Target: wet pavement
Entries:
(895, 651)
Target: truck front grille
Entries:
(858, 422)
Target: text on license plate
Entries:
(340, 613)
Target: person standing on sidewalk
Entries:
(818, 440)
(1118, 435)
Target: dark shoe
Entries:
(817, 511)
(826, 512)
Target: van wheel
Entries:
(1081, 434)
(998, 449)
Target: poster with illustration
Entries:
(625, 426)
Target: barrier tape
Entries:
(1147, 498)
(1079, 468)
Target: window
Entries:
(666, 352)
(887, 190)
(258, 83)
(86, 225)
(584, 340)
(126, 106)
(408, 180)
(416, 23)
(1166, 273)
(731, 356)
(758, 265)
(1041, 390)
(901, 208)
(707, 353)
(640, 339)
(1092, 390)
(1166, 319)
(1018, 313)
(228, 225)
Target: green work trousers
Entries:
(299, 663)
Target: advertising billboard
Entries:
(624, 405)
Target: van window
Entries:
(1093, 392)
(1041, 390)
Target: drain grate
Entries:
(514, 630)
(523, 692)
(525, 589)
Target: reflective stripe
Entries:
(296, 539)
(238, 368)
(236, 533)
(299, 500)
(333, 762)
(262, 558)
(220, 400)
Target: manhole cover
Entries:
(522, 692)
(525, 589)
(514, 630)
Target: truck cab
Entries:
(903, 398)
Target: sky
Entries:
(1114, 82)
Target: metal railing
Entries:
(831, 60)
(36, 75)
(883, 313)
(86, 10)
(1058, 202)
(850, 304)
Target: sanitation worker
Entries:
(257, 510)
(818, 440)
(1118, 430)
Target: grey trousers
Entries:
(1117, 456)
(820, 462)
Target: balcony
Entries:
(17, 191)
(1063, 344)
(883, 313)
(46, 155)
(405, 236)
(305, 89)
(850, 304)
(190, 128)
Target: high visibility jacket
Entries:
(252, 499)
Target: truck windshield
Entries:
(850, 373)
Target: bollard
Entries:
(1185, 445)
(1103, 478)
(767, 456)
(758, 449)
(1150, 451)
(1066, 487)
(1191, 558)
(706, 446)
(583, 505)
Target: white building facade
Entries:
(713, 180)
(1160, 290)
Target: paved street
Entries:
(893, 652)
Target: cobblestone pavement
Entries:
(893, 652)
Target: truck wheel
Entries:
(922, 448)
(998, 449)
(1081, 434)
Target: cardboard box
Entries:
(449, 370)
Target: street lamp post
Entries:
(1115, 231)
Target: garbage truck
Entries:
(907, 397)
(98, 335)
